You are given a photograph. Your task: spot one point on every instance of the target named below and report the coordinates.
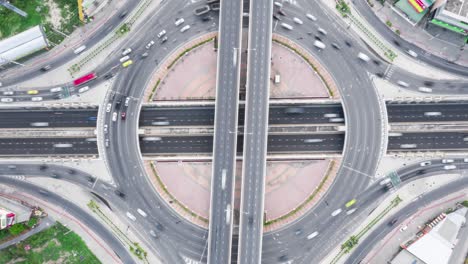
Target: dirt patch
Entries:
(55, 15)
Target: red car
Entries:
(123, 115)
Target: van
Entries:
(162, 33)
(179, 22)
(450, 167)
(425, 90)
(319, 44)
(277, 78)
(56, 89)
(83, 89)
(311, 17)
(126, 52)
(298, 21)
(314, 234)
(363, 57)
(185, 28)
(126, 58)
(79, 49)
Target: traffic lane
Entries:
(438, 86)
(428, 141)
(427, 112)
(380, 231)
(48, 118)
(47, 146)
(72, 209)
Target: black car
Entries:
(205, 18)
(108, 76)
(71, 171)
(46, 68)
(43, 167)
(393, 221)
(119, 193)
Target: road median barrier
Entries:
(353, 240)
(134, 247)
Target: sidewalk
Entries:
(44, 224)
(407, 193)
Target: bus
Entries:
(84, 79)
(350, 203)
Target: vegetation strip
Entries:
(187, 51)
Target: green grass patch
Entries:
(154, 90)
(11, 23)
(57, 244)
(465, 203)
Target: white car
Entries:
(330, 115)
(408, 146)
(106, 127)
(127, 100)
(319, 44)
(83, 89)
(8, 93)
(141, 212)
(403, 228)
(151, 43)
(450, 167)
(162, 33)
(412, 53)
(129, 215)
(363, 57)
(179, 22)
(114, 116)
(6, 100)
(185, 28)
(322, 31)
(56, 89)
(403, 84)
(36, 99)
(126, 52)
(298, 21)
(432, 113)
(337, 120)
(125, 58)
(425, 163)
(107, 142)
(465, 160)
(425, 90)
(108, 107)
(278, 4)
(445, 161)
(311, 17)
(314, 234)
(313, 140)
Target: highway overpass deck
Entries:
(225, 136)
(255, 132)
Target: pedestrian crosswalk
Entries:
(389, 72)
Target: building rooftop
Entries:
(459, 7)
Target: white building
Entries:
(22, 44)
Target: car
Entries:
(322, 31)
(119, 193)
(141, 212)
(385, 181)
(319, 44)
(297, 21)
(311, 17)
(314, 234)
(465, 160)
(317, 37)
(281, 12)
(179, 22)
(425, 89)
(36, 99)
(151, 43)
(287, 26)
(132, 217)
(106, 129)
(313, 140)
(294, 110)
(337, 120)
(153, 234)
(336, 212)
(8, 93)
(43, 167)
(276, 17)
(126, 52)
(144, 55)
(127, 100)
(123, 14)
(114, 116)
(127, 63)
(278, 4)
(330, 115)
(445, 161)
(408, 146)
(12, 167)
(402, 84)
(432, 113)
(164, 39)
(79, 49)
(298, 232)
(160, 123)
(107, 142)
(72, 171)
(347, 43)
(56, 176)
(162, 33)
(335, 46)
(108, 107)
(363, 57)
(33, 92)
(124, 59)
(118, 103)
(56, 89)
(123, 115)
(450, 167)
(403, 228)
(83, 89)
(6, 100)
(185, 28)
(205, 18)
(46, 68)
(425, 163)
(393, 221)
(108, 76)
(412, 53)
